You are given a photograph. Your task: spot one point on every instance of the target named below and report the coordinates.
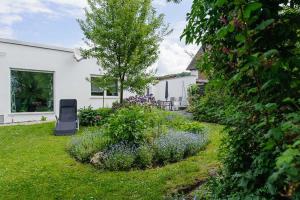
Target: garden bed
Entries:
(137, 137)
(35, 165)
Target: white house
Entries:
(178, 85)
(34, 77)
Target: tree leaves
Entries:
(124, 37)
(254, 52)
(264, 24)
(250, 8)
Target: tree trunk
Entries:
(103, 100)
(121, 92)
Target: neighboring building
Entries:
(178, 84)
(193, 68)
(177, 87)
(34, 77)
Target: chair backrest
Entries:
(68, 110)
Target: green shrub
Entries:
(104, 113)
(89, 117)
(247, 51)
(129, 125)
(93, 117)
(83, 147)
(144, 156)
(215, 106)
(193, 127)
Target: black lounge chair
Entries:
(67, 123)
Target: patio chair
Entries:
(67, 123)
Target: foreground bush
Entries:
(253, 49)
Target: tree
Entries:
(252, 47)
(124, 37)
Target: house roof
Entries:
(193, 64)
(29, 44)
(171, 76)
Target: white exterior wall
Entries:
(69, 78)
(177, 87)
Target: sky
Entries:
(53, 22)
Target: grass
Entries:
(34, 164)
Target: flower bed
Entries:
(138, 137)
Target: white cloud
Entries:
(10, 19)
(11, 12)
(6, 32)
(23, 6)
(74, 3)
(173, 57)
(174, 54)
(159, 3)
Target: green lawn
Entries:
(34, 164)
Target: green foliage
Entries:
(94, 117)
(84, 146)
(252, 49)
(216, 106)
(124, 37)
(129, 125)
(135, 137)
(144, 157)
(119, 156)
(104, 113)
(176, 146)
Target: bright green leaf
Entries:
(264, 24)
(251, 7)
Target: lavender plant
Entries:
(83, 147)
(119, 156)
(176, 146)
(146, 101)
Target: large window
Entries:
(95, 90)
(31, 91)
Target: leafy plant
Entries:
(129, 125)
(176, 146)
(252, 50)
(93, 117)
(144, 157)
(83, 147)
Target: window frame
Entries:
(114, 94)
(95, 96)
(32, 71)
